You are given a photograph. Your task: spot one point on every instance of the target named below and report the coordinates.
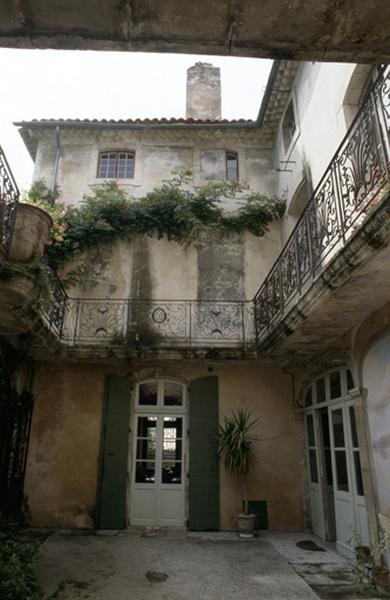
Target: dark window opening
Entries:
(288, 125)
(116, 165)
(231, 166)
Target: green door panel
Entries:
(112, 484)
(204, 464)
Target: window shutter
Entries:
(204, 464)
(112, 484)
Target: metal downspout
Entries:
(57, 160)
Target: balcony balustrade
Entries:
(352, 190)
(353, 186)
(9, 196)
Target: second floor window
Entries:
(116, 165)
(231, 166)
(289, 125)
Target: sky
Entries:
(50, 84)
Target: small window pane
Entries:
(148, 394)
(350, 383)
(328, 466)
(341, 470)
(144, 472)
(125, 165)
(310, 430)
(173, 428)
(146, 449)
(173, 394)
(313, 466)
(355, 441)
(321, 397)
(231, 166)
(338, 428)
(171, 472)
(172, 450)
(335, 384)
(308, 397)
(358, 474)
(147, 427)
(107, 166)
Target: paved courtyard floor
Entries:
(177, 565)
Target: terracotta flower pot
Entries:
(30, 234)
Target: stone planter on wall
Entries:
(30, 234)
(14, 294)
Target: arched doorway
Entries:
(337, 499)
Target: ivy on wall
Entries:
(175, 210)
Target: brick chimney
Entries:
(203, 92)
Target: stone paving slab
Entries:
(124, 567)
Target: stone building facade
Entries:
(124, 434)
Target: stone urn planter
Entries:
(14, 294)
(30, 234)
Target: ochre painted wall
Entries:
(62, 467)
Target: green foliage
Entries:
(370, 572)
(175, 210)
(236, 446)
(17, 579)
(42, 197)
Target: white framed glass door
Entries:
(158, 461)
(335, 478)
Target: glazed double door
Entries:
(336, 484)
(158, 490)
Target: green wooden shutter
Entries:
(112, 484)
(204, 464)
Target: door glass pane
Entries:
(350, 384)
(173, 394)
(358, 474)
(338, 428)
(310, 430)
(326, 442)
(146, 449)
(321, 397)
(355, 442)
(171, 472)
(173, 427)
(313, 465)
(147, 427)
(308, 397)
(341, 470)
(172, 450)
(148, 394)
(335, 384)
(144, 472)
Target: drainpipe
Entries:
(56, 161)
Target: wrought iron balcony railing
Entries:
(352, 186)
(9, 196)
(151, 323)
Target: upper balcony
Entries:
(334, 270)
(331, 274)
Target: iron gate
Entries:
(15, 424)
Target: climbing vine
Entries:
(175, 210)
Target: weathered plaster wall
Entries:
(376, 378)
(63, 456)
(159, 155)
(216, 268)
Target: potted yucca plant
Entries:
(236, 448)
